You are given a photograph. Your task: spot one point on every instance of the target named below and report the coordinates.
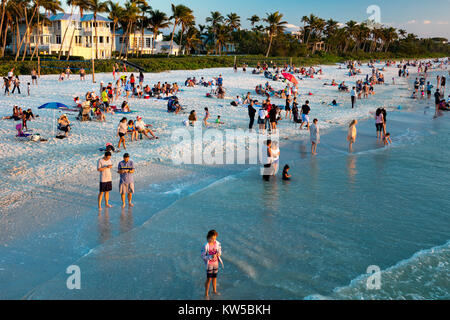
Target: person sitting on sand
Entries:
(100, 116)
(125, 107)
(16, 115)
(192, 118)
(64, 124)
(218, 121)
(220, 92)
(142, 128)
(131, 129)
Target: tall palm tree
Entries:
(222, 36)
(192, 38)
(233, 21)
(97, 6)
(275, 26)
(158, 20)
(115, 13)
(144, 10)
(187, 19)
(129, 18)
(253, 20)
(177, 12)
(215, 19)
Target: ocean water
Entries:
(309, 238)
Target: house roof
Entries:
(77, 17)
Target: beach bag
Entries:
(35, 137)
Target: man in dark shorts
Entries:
(104, 166)
(305, 115)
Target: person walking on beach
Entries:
(210, 254)
(351, 136)
(126, 185)
(315, 136)
(353, 96)
(104, 166)
(305, 115)
(33, 77)
(122, 130)
(16, 82)
(251, 114)
(262, 113)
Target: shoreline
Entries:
(159, 178)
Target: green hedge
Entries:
(160, 64)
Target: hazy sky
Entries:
(424, 18)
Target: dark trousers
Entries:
(252, 120)
(18, 89)
(353, 101)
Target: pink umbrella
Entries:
(290, 77)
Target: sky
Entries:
(424, 18)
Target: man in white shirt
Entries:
(143, 128)
(262, 113)
(104, 166)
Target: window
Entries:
(107, 39)
(78, 39)
(148, 42)
(101, 39)
(58, 39)
(121, 40)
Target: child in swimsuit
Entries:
(211, 253)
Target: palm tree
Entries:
(1, 23)
(192, 38)
(115, 13)
(215, 19)
(158, 20)
(186, 20)
(96, 6)
(178, 11)
(144, 9)
(233, 21)
(253, 20)
(275, 26)
(222, 34)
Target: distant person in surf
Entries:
(351, 136)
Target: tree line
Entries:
(267, 35)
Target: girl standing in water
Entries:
(351, 137)
(211, 253)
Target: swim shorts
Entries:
(126, 188)
(305, 118)
(379, 126)
(212, 270)
(105, 186)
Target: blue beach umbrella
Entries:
(53, 105)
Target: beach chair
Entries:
(85, 112)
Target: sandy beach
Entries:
(49, 218)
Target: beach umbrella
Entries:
(290, 77)
(53, 105)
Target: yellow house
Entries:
(79, 39)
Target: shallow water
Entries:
(312, 237)
(306, 238)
